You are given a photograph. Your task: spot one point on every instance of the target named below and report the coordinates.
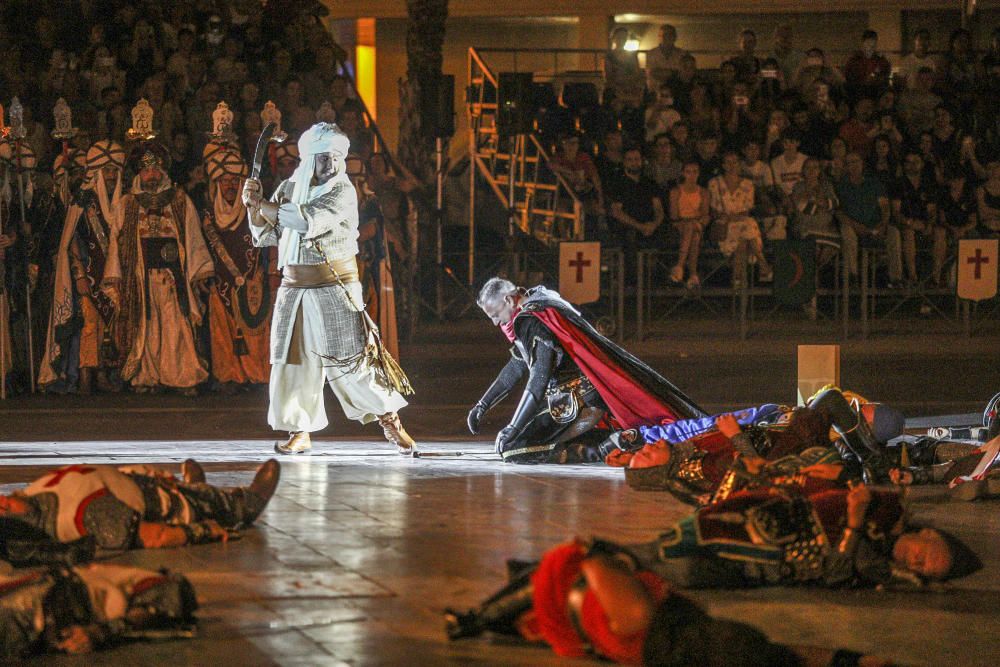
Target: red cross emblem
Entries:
(978, 259)
(579, 263)
(59, 474)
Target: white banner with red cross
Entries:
(580, 272)
(977, 269)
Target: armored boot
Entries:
(261, 489)
(856, 435)
(394, 432)
(861, 441)
(500, 612)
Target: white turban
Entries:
(323, 138)
(318, 139)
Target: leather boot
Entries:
(262, 488)
(192, 472)
(394, 432)
(297, 443)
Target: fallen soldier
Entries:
(135, 510)
(828, 431)
(972, 472)
(596, 599)
(835, 538)
(79, 609)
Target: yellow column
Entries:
(364, 59)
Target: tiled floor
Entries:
(361, 549)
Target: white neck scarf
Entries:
(228, 215)
(108, 208)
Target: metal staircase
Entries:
(541, 203)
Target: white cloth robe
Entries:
(297, 371)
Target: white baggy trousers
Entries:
(296, 386)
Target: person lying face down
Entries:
(594, 598)
(81, 608)
(134, 510)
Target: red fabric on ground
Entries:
(552, 581)
(555, 577)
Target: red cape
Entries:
(631, 404)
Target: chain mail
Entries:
(792, 525)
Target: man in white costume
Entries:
(157, 271)
(318, 332)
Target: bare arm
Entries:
(675, 198)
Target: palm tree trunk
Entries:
(424, 58)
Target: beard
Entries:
(150, 185)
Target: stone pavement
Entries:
(361, 549)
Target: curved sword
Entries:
(258, 155)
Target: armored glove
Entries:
(527, 410)
(476, 415)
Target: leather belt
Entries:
(579, 385)
(161, 253)
(320, 275)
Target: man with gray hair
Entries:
(579, 383)
(319, 330)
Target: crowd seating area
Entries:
(711, 168)
(183, 57)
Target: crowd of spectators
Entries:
(184, 57)
(787, 144)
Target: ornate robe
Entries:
(157, 254)
(239, 306)
(314, 329)
(83, 251)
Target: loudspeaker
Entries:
(515, 103)
(438, 108)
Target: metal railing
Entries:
(567, 60)
(541, 203)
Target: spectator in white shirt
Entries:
(911, 65)
(663, 62)
(661, 115)
(787, 167)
